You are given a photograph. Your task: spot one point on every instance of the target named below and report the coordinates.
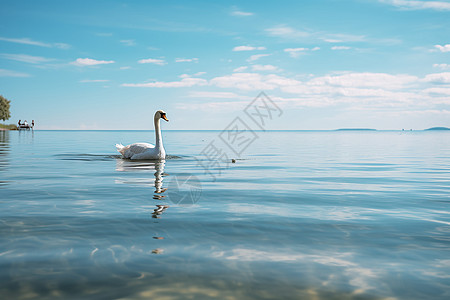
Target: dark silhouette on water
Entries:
(25, 125)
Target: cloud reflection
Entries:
(336, 264)
(324, 212)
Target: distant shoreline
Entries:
(7, 127)
(438, 128)
(219, 130)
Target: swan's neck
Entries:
(159, 143)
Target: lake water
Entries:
(298, 215)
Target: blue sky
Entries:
(327, 64)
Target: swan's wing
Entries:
(137, 148)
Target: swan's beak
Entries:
(165, 118)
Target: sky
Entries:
(327, 64)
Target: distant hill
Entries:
(438, 128)
(355, 129)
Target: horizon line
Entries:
(258, 130)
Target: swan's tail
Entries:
(120, 148)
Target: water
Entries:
(300, 215)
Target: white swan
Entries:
(145, 150)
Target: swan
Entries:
(145, 150)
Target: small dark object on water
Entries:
(157, 251)
(233, 160)
(25, 125)
(158, 237)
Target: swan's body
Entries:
(141, 151)
(145, 150)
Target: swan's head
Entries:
(160, 114)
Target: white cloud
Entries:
(242, 81)
(445, 48)
(63, 46)
(257, 56)
(155, 61)
(284, 31)
(349, 84)
(415, 4)
(341, 37)
(26, 58)
(93, 80)
(340, 48)
(295, 49)
(219, 95)
(289, 33)
(125, 68)
(129, 43)
(328, 40)
(382, 80)
(442, 66)
(281, 81)
(185, 82)
(264, 68)
(432, 113)
(193, 75)
(248, 48)
(91, 62)
(186, 60)
(241, 13)
(240, 69)
(27, 41)
(296, 52)
(379, 91)
(209, 106)
(440, 91)
(374, 89)
(9, 73)
(250, 81)
(438, 78)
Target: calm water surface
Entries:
(300, 215)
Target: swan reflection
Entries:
(159, 174)
(159, 210)
(123, 165)
(145, 167)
